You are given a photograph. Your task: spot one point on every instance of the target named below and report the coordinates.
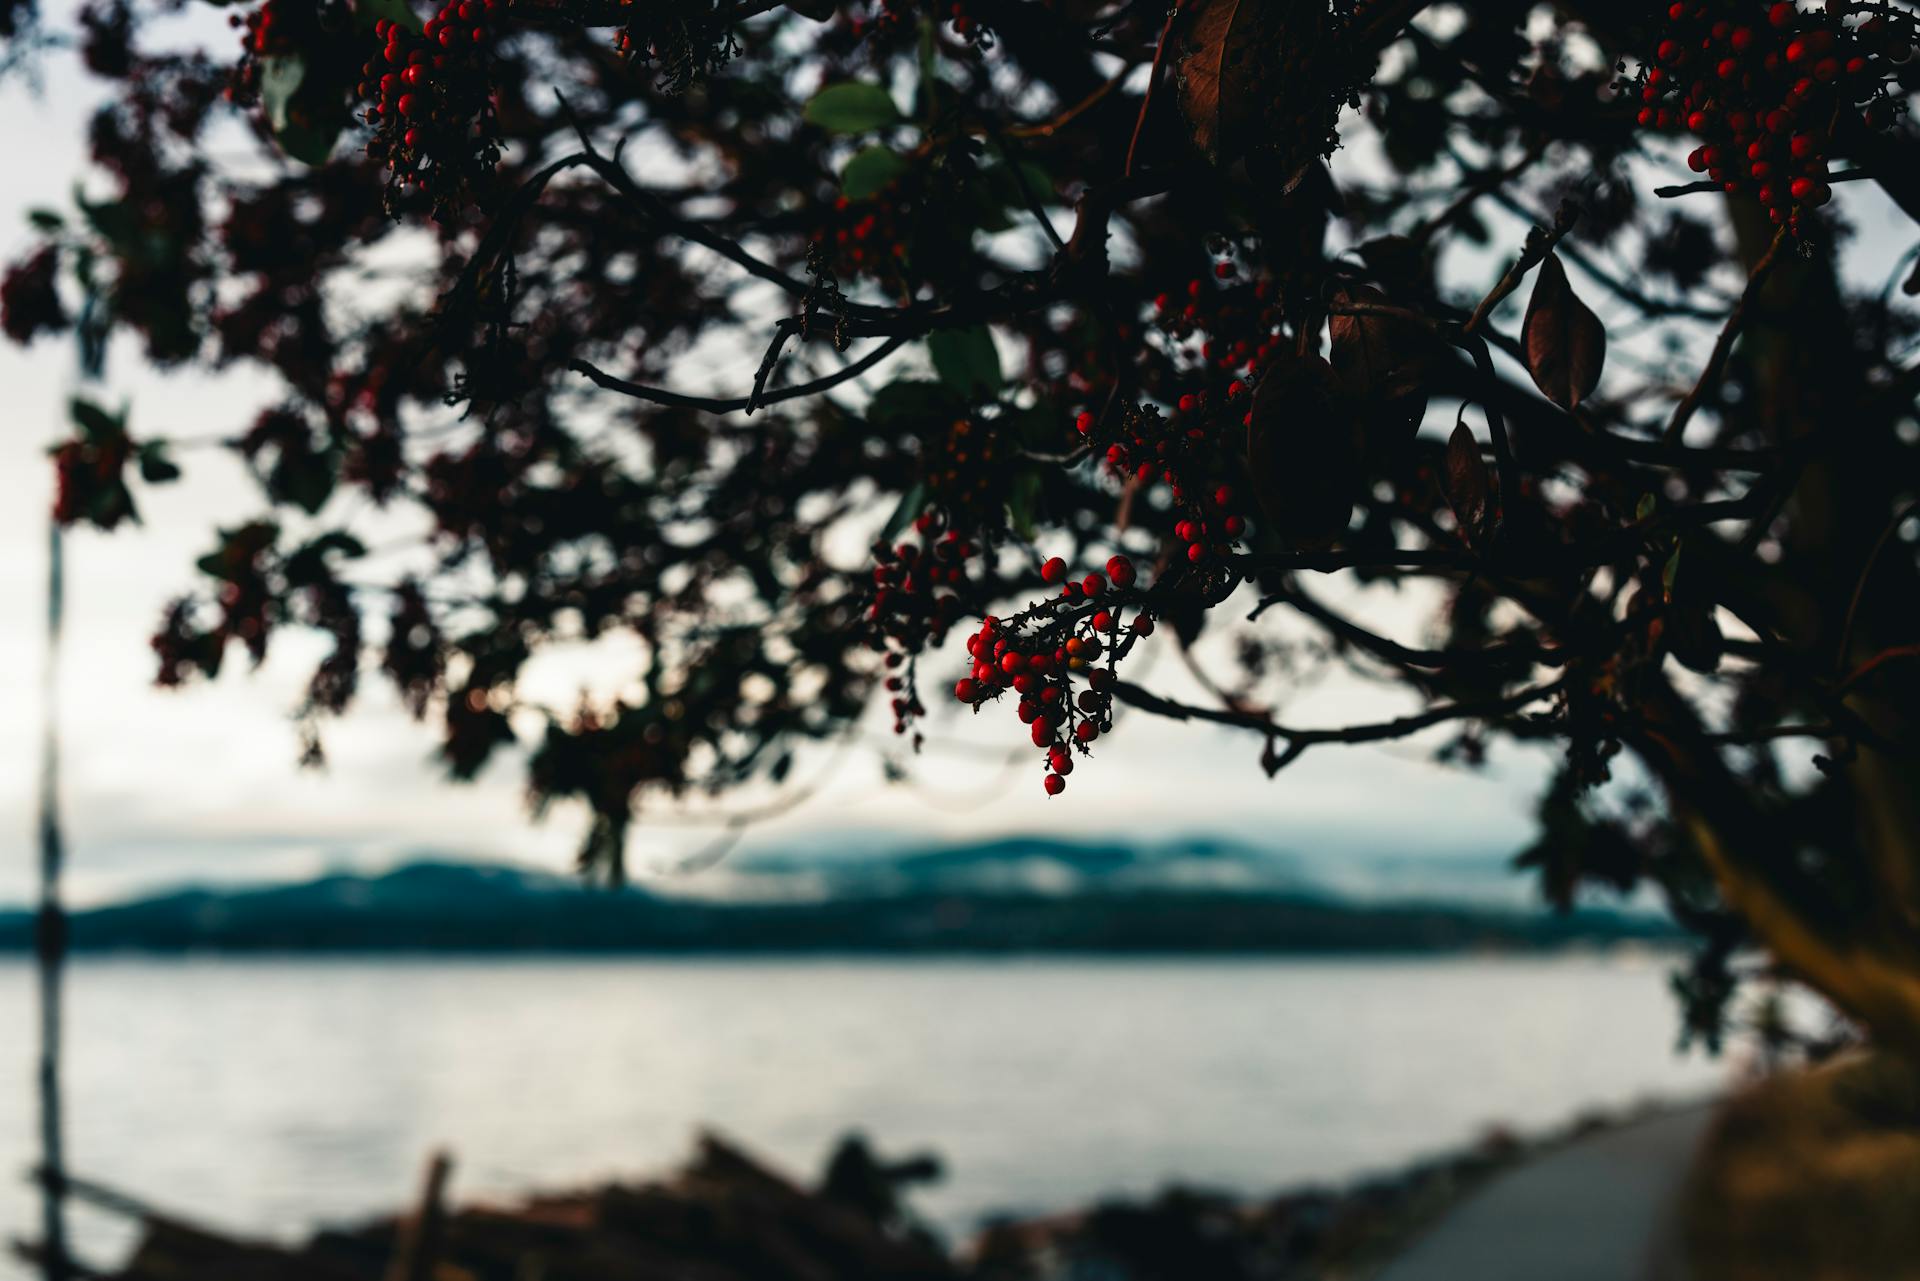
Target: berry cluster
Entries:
(90, 482)
(1038, 653)
(249, 604)
(1185, 450)
(684, 39)
(30, 297)
(869, 237)
(914, 604)
(899, 15)
(910, 611)
(277, 29)
(965, 472)
(1224, 335)
(430, 102)
(182, 647)
(1763, 85)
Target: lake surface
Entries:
(266, 1095)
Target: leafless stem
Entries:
(728, 405)
(1723, 345)
(1540, 243)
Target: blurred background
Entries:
(1064, 1001)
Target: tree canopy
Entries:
(1087, 325)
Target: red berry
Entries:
(1120, 570)
(1054, 571)
(1093, 584)
(1055, 785)
(1816, 193)
(966, 690)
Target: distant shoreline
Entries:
(438, 909)
(1624, 949)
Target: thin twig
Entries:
(1723, 345)
(1694, 188)
(1540, 243)
(1034, 207)
(1488, 184)
(1380, 731)
(1866, 572)
(1153, 80)
(1885, 656)
(728, 405)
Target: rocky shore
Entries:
(726, 1216)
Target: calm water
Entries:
(266, 1095)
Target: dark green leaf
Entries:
(46, 219)
(304, 479)
(155, 467)
(368, 12)
(913, 401)
(1005, 180)
(297, 128)
(912, 503)
(852, 107)
(967, 361)
(97, 424)
(1023, 503)
(870, 171)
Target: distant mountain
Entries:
(1031, 865)
(436, 907)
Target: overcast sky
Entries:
(163, 787)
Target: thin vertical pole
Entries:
(51, 934)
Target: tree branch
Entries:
(1381, 731)
(748, 403)
(1540, 243)
(1723, 345)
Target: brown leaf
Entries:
(1219, 42)
(1469, 487)
(1303, 450)
(1566, 344)
(1240, 71)
(1383, 361)
(1268, 76)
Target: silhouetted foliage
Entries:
(1128, 351)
